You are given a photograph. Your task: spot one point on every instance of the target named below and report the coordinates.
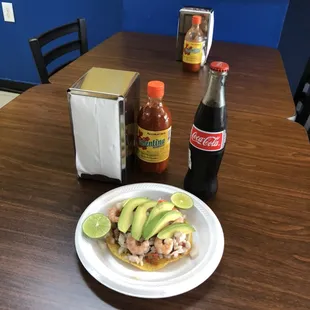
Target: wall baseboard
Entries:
(14, 86)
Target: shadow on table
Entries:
(120, 301)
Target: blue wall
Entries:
(295, 41)
(256, 22)
(33, 17)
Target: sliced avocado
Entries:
(140, 218)
(125, 201)
(159, 222)
(126, 217)
(161, 207)
(170, 230)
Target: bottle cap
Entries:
(196, 20)
(219, 66)
(155, 89)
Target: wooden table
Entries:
(263, 202)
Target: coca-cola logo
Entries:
(207, 141)
(211, 141)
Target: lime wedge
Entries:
(182, 201)
(96, 226)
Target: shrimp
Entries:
(114, 214)
(163, 247)
(137, 248)
(179, 237)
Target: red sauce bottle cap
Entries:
(155, 89)
(219, 66)
(196, 20)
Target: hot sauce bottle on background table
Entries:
(193, 46)
(154, 131)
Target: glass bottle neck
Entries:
(155, 101)
(195, 26)
(215, 94)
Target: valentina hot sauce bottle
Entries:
(193, 46)
(208, 136)
(154, 131)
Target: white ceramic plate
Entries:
(176, 278)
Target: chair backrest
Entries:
(42, 61)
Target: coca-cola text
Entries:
(207, 141)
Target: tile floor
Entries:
(6, 97)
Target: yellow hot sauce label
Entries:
(192, 52)
(153, 146)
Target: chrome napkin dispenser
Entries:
(185, 23)
(104, 106)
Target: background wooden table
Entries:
(257, 74)
(262, 203)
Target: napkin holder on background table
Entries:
(185, 23)
(104, 106)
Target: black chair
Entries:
(42, 61)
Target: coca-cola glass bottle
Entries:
(208, 136)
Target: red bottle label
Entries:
(207, 141)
